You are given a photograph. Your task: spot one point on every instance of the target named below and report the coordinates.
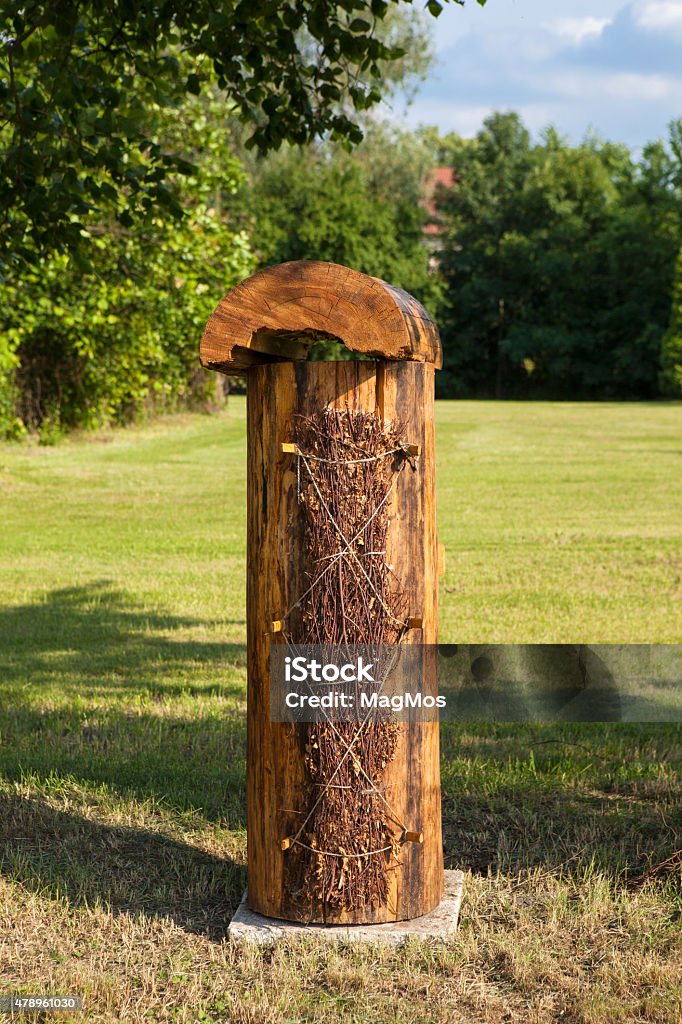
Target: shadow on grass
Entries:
(126, 870)
(557, 831)
(99, 689)
(571, 799)
(95, 638)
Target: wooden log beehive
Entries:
(264, 328)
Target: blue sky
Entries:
(609, 66)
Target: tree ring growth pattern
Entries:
(264, 317)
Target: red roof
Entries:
(434, 179)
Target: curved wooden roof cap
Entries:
(281, 311)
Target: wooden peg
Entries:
(276, 626)
(286, 843)
(412, 449)
(413, 837)
(415, 623)
(288, 448)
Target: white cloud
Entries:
(450, 115)
(620, 85)
(447, 33)
(659, 14)
(626, 86)
(612, 65)
(467, 119)
(577, 31)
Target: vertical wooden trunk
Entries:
(276, 781)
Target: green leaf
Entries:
(193, 84)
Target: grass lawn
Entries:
(122, 747)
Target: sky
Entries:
(607, 66)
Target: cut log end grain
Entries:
(281, 311)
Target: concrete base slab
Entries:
(441, 923)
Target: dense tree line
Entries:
(554, 272)
(124, 134)
(558, 263)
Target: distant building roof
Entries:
(435, 179)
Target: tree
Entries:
(84, 345)
(637, 250)
(671, 350)
(361, 209)
(482, 217)
(83, 86)
(101, 315)
(558, 264)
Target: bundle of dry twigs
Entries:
(349, 465)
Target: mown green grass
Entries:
(561, 522)
(122, 672)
